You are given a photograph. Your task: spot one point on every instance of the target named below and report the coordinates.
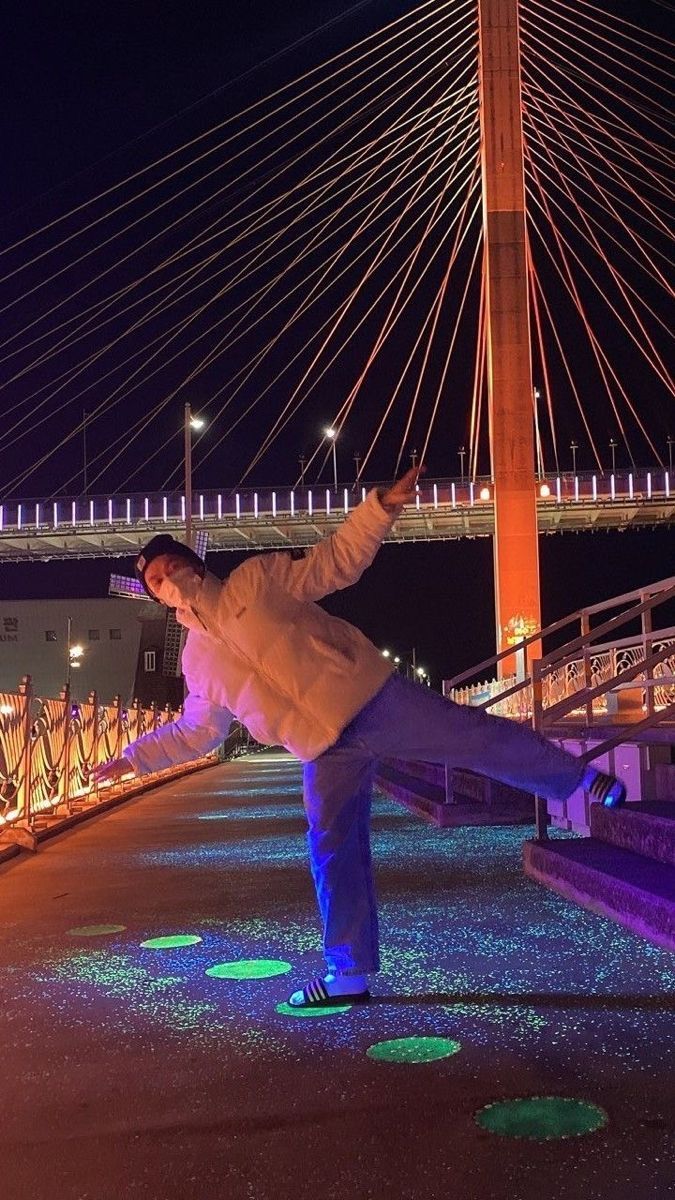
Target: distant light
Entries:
(396, 658)
(386, 653)
(76, 652)
(6, 710)
(421, 672)
(330, 432)
(485, 493)
(197, 422)
(544, 490)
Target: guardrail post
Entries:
(586, 657)
(92, 699)
(26, 690)
(647, 644)
(65, 797)
(540, 808)
(117, 702)
(20, 832)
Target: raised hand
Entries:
(403, 491)
(111, 771)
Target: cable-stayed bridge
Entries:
(274, 518)
(453, 232)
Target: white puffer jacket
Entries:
(258, 648)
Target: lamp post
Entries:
(413, 458)
(537, 435)
(671, 443)
(613, 445)
(357, 463)
(461, 452)
(331, 434)
(574, 446)
(410, 663)
(303, 463)
(84, 450)
(190, 424)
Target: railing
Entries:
(49, 748)
(209, 505)
(578, 678)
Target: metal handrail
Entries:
(565, 653)
(589, 694)
(653, 589)
(649, 598)
(611, 743)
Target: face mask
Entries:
(181, 588)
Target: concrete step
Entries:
(473, 800)
(616, 883)
(647, 828)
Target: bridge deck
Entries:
(130, 1072)
(99, 526)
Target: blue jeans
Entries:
(409, 721)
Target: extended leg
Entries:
(406, 720)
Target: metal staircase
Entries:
(605, 695)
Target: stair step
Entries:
(635, 891)
(647, 828)
(498, 805)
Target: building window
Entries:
(94, 635)
(50, 635)
(115, 635)
(149, 660)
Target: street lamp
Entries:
(191, 423)
(331, 434)
(461, 452)
(537, 435)
(613, 445)
(357, 463)
(413, 458)
(671, 443)
(303, 463)
(574, 446)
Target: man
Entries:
(259, 647)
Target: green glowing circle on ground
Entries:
(171, 943)
(413, 1049)
(329, 1010)
(95, 930)
(250, 968)
(542, 1117)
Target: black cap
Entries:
(163, 543)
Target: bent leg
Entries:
(337, 797)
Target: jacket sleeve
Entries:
(201, 727)
(338, 560)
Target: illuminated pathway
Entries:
(133, 1070)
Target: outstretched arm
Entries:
(339, 560)
(201, 727)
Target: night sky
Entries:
(99, 90)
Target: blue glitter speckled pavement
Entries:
(130, 1071)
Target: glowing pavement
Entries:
(146, 1050)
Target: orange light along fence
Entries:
(48, 749)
